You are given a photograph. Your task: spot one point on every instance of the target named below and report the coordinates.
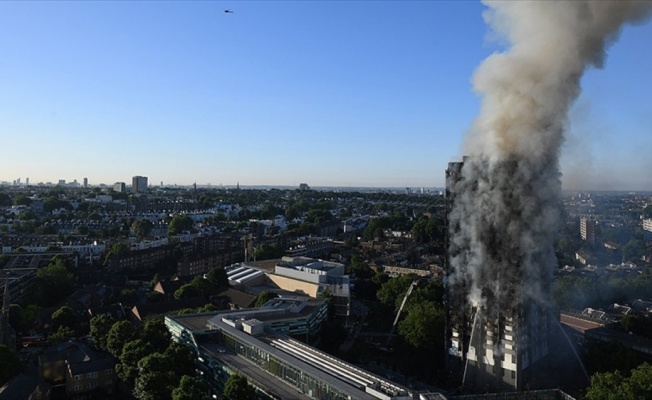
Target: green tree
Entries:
(218, 277)
(10, 362)
(182, 358)
(156, 333)
(186, 291)
(391, 293)
(190, 388)
(647, 211)
(179, 224)
(5, 200)
(99, 329)
(132, 352)
(117, 250)
(120, 333)
(156, 378)
(634, 249)
(264, 297)
(423, 326)
(360, 267)
(22, 200)
(54, 282)
(204, 286)
(616, 386)
(61, 335)
(142, 228)
(237, 388)
(268, 251)
(64, 316)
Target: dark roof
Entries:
(142, 311)
(71, 351)
(114, 310)
(235, 297)
(169, 287)
(100, 364)
(19, 387)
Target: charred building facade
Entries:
(498, 274)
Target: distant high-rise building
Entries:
(588, 229)
(85, 182)
(304, 186)
(62, 182)
(27, 181)
(647, 229)
(139, 184)
(120, 187)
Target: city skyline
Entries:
(362, 94)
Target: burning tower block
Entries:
(499, 268)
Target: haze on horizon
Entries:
(362, 94)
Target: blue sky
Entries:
(332, 93)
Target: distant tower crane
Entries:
(400, 309)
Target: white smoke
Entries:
(505, 213)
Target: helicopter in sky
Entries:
(227, 11)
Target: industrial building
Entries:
(260, 344)
(301, 275)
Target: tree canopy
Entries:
(132, 353)
(264, 296)
(156, 333)
(10, 362)
(142, 228)
(616, 386)
(120, 333)
(190, 388)
(54, 282)
(217, 276)
(423, 326)
(186, 291)
(156, 377)
(99, 329)
(64, 316)
(237, 388)
(179, 224)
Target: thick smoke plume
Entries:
(505, 210)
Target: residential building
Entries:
(588, 229)
(119, 187)
(82, 370)
(496, 330)
(139, 184)
(647, 229)
(310, 247)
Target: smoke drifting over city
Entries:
(505, 214)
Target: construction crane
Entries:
(400, 309)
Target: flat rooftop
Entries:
(347, 378)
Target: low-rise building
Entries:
(250, 342)
(82, 370)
